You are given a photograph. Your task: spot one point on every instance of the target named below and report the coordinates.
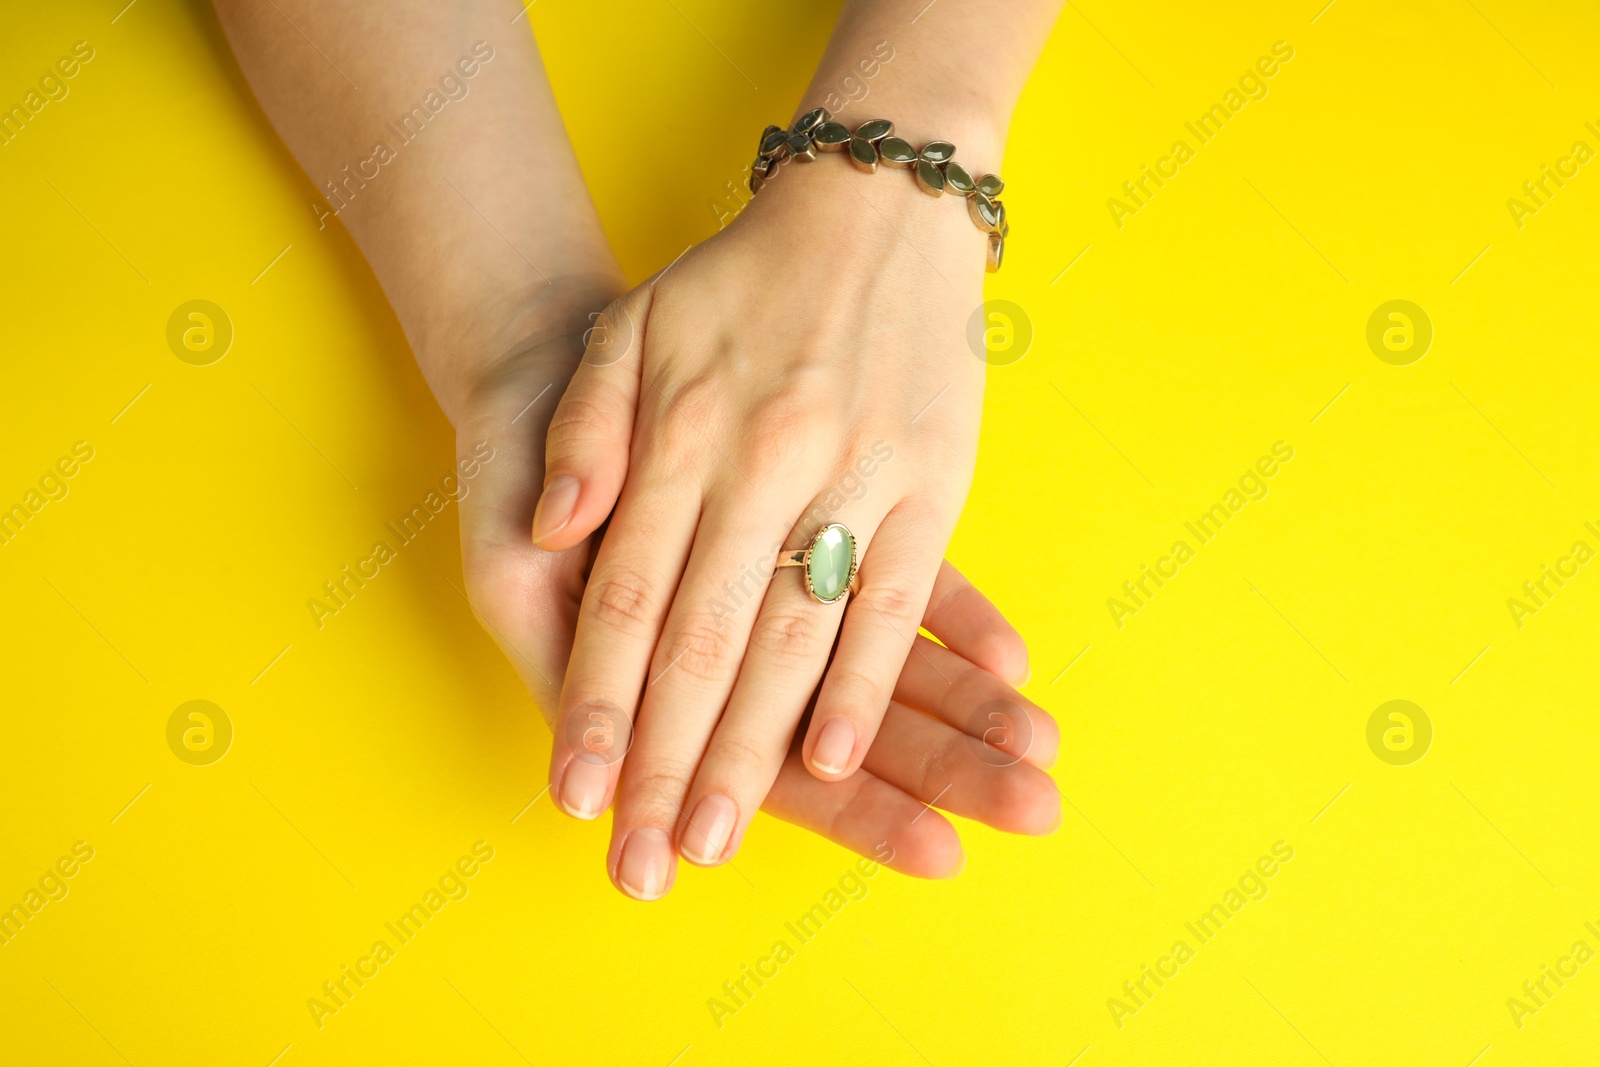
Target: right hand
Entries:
(528, 600)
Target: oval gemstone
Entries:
(896, 152)
(811, 120)
(991, 186)
(773, 143)
(874, 129)
(929, 178)
(938, 151)
(985, 212)
(958, 178)
(864, 154)
(800, 146)
(831, 137)
(832, 558)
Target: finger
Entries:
(787, 653)
(526, 599)
(868, 816)
(624, 604)
(945, 767)
(971, 699)
(587, 447)
(898, 566)
(970, 625)
(697, 661)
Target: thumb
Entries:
(586, 453)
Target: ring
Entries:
(830, 563)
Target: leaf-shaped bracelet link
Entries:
(934, 167)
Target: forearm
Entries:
(449, 165)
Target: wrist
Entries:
(478, 353)
(977, 132)
(869, 219)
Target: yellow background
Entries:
(1223, 717)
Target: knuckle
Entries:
(692, 404)
(701, 649)
(578, 420)
(895, 598)
(742, 759)
(788, 635)
(654, 796)
(779, 426)
(854, 693)
(624, 600)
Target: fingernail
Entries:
(706, 836)
(1026, 678)
(555, 506)
(583, 788)
(834, 745)
(642, 870)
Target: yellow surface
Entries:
(1229, 713)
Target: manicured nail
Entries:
(1026, 678)
(709, 829)
(834, 745)
(555, 506)
(642, 868)
(583, 788)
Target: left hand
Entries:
(807, 365)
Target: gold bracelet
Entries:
(874, 142)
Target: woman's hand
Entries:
(465, 231)
(805, 366)
(956, 736)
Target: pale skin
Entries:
(702, 455)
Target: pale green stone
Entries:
(896, 152)
(864, 154)
(959, 178)
(832, 553)
(831, 137)
(874, 129)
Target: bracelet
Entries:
(874, 142)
